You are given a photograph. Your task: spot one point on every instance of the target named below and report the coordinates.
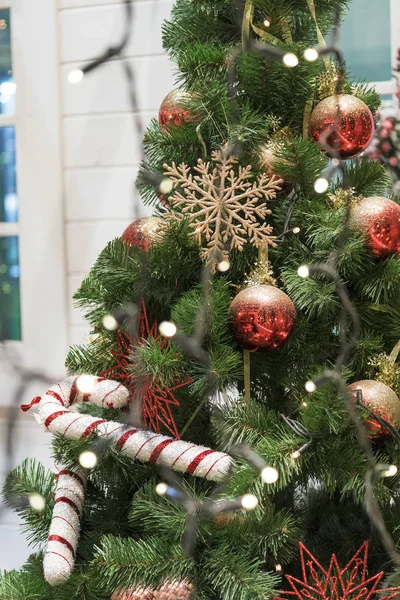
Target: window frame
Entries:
(386, 88)
(40, 228)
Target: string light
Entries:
(296, 454)
(110, 323)
(223, 266)
(296, 230)
(267, 22)
(166, 185)
(86, 383)
(321, 185)
(278, 568)
(290, 60)
(37, 501)
(75, 76)
(311, 54)
(88, 459)
(249, 501)
(167, 329)
(304, 404)
(269, 475)
(310, 386)
(303, 271)
(161, 489)
(389, 471)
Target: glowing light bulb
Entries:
(296, 230)
(223, 266)
(249, 501)
(278, 568)
(290, 60)
(36, 501)
(390, 471)
(296, 454)
(167, 329)
(166, 185)
(110, 323)
(304, 404)
(311, 54)
(269, 475)
(161, 489)
(267, 23)
(86, 383)
(310, 386)
(88, 459)
(8, 88)
(75, 76)
(321, 185)
(303, 271)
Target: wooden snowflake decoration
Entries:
(336, 583)
(223, 203)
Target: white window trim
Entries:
(386, 88)
(34, 28)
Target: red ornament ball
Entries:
(343, 122)
(263, 317)
(383, 401)
(143, 232)
(172, 110)
(379, 219)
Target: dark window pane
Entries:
(365, 40)
(10, 313)
(8, 185)
(7, 85)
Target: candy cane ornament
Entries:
(53, 410)
(63, 537)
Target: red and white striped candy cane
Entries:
(54, 412)
(63, 537)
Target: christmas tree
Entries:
(238, 394)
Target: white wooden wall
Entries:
(100, 154)
(100, 148)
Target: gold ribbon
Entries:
(307, 114)
(267, 37)
(395, 352)
(247, 21)
(246, 369)
(287, 34)
(321, 39)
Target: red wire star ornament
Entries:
(157, 401)
(349, 583)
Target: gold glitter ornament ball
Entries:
(379, 219)
(344, 122)
(143, 232)
(383, 401)
(262, 317)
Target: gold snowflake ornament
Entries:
(223, 202)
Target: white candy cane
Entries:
(63, 537)
(54, 412)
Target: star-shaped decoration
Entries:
(157, 400)
(336, 583)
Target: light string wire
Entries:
(192, 346)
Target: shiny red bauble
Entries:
(379, 220)
(172, 111)
(344, 123)
(262, 317)
(382, 401)
(143, 232)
